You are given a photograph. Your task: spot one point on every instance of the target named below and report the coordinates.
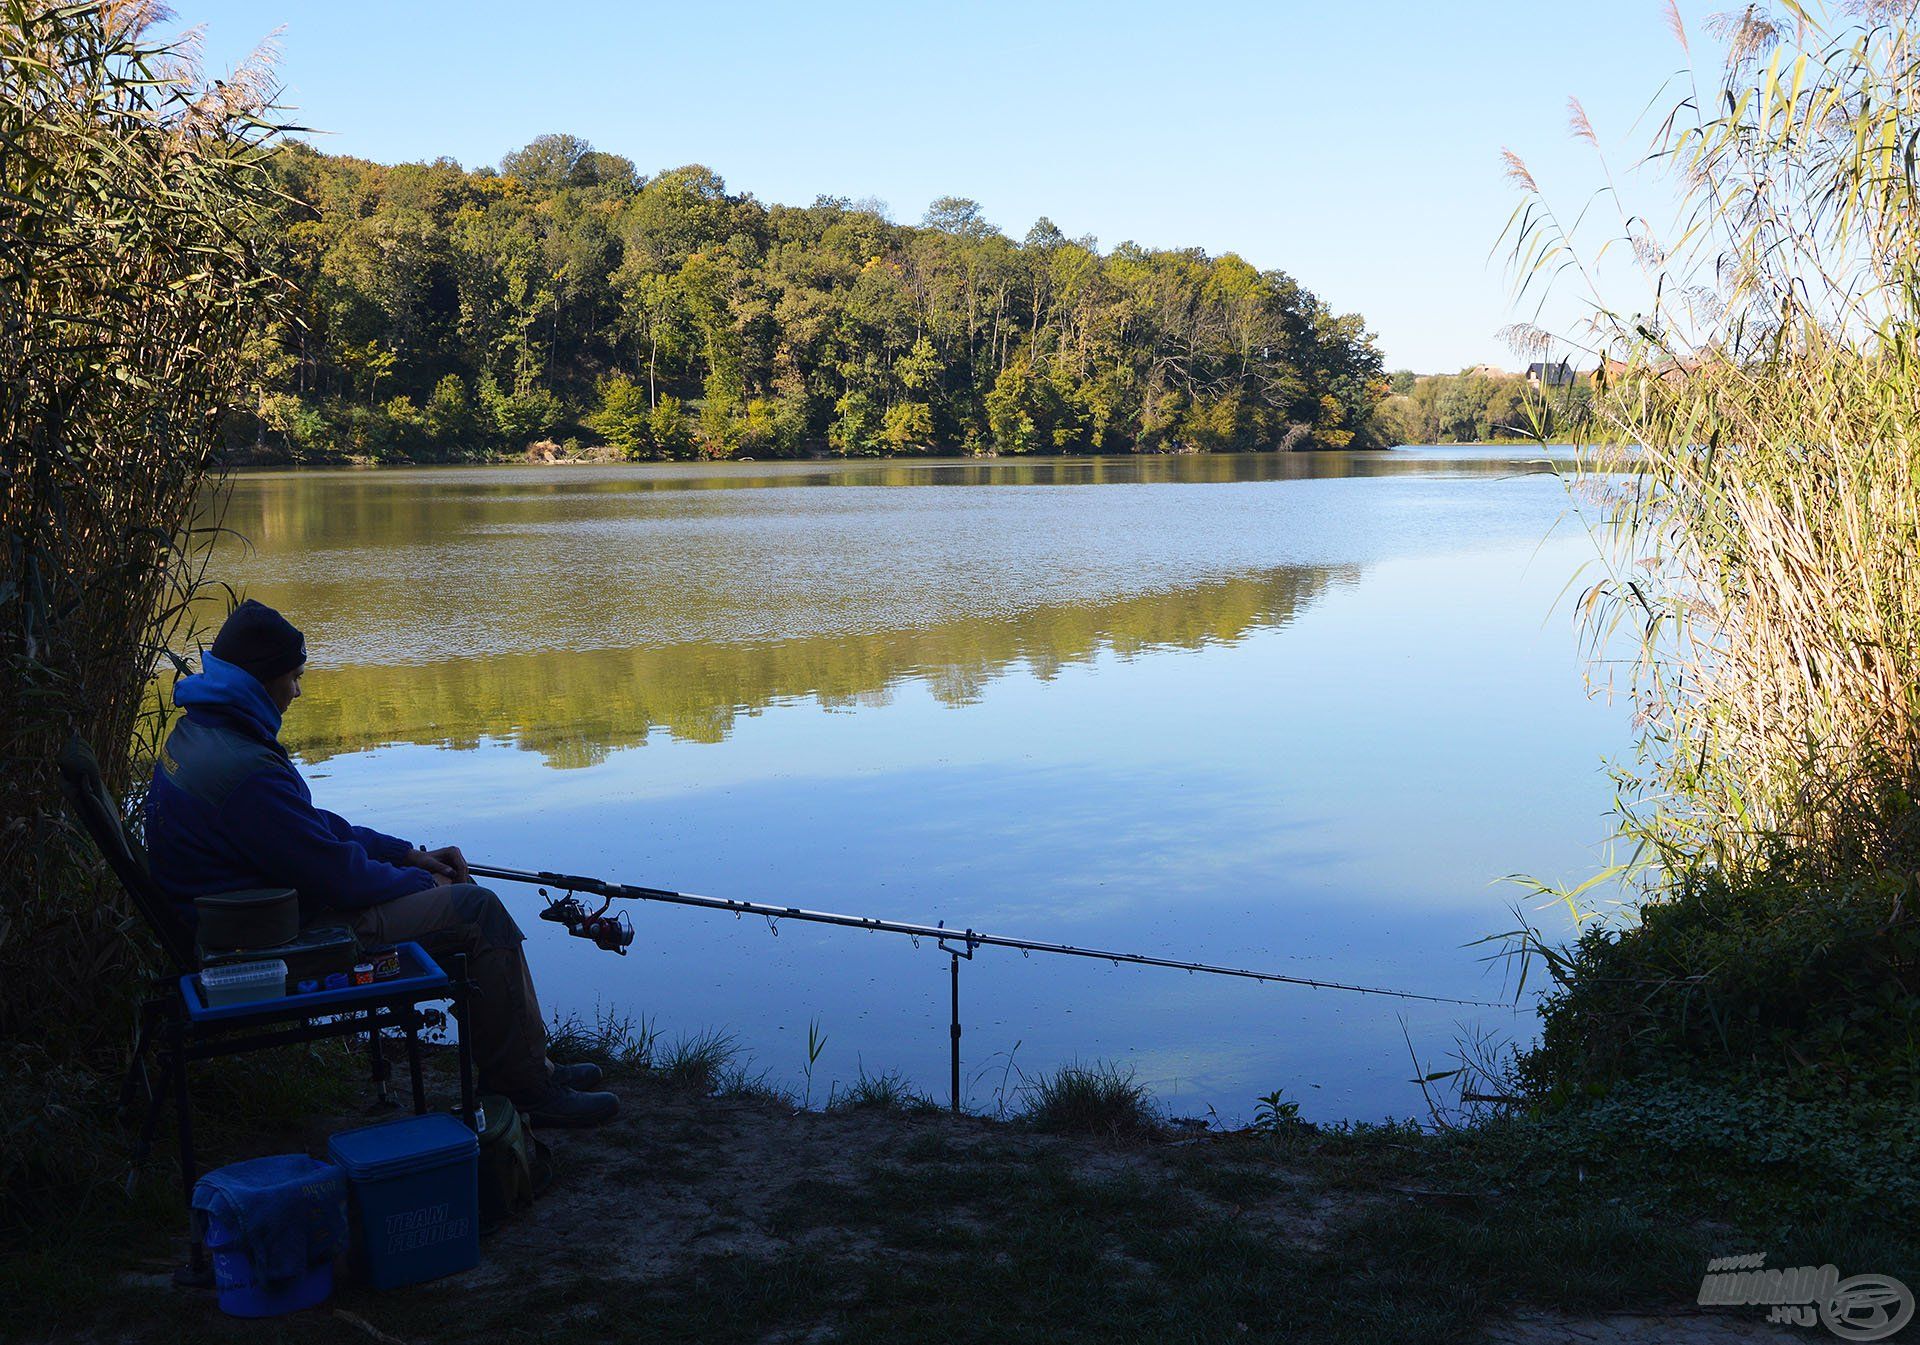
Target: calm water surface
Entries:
(1300, 713)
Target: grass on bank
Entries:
(626, 1048)
(1755, 1150)
(888, 1091)
(1077, 1099)
(1097, 1099)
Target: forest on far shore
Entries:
(448, 313)
(1483, 405)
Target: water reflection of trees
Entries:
(282, 509)
(575, 707)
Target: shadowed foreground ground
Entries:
(738, 1218)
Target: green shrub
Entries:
(671, 429)
(299, 426)
(855, 430)
(523, 415)
(907, 426)
(400, 431)
(1811, 986)
(449, 417)
(1746, 1150)
(624, 419)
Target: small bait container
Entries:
(244, 982)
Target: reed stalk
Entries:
(131, 192)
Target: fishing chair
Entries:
(174, 1014)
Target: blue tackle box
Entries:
(414, 1198)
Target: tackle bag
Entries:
(515, 1165)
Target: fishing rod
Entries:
(615, 933)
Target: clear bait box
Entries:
(244, 982)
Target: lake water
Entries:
(1300, 713)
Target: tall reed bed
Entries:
(130, 192)
(1764, 549)
(1759, 589)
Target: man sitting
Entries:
(227, 811)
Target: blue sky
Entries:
(1354, 146)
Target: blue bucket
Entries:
(241, 1296)
(414, 1195)
(272, 1226)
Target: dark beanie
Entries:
(259, 639)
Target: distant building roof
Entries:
(1550, 375)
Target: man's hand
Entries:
(447, 864)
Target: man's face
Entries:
(284, 690)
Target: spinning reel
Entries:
(611, 932)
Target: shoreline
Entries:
(251, 464)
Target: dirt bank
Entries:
(698, 1218)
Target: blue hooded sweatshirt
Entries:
(228, 811)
